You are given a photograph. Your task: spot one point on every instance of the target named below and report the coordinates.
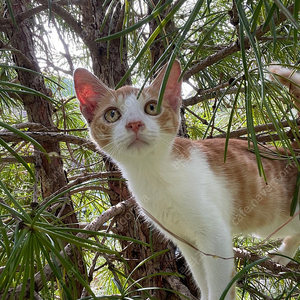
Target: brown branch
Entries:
(203, 121)
(31, 126)
(233, 47)
(206, 94)
(47, 136)
(73, 2)
(90, 188)
(12, 160)
(72, 22)
(275, 268)
(243, 131)
(5, 22)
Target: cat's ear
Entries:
(89, 91)
(172, 92)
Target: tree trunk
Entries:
(50, 174)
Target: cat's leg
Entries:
(219, 268)
(213, 266)
(219, 272)
(194, 260)
(288, 248)
(215, 244)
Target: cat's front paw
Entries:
(279, 257)
(286, 251)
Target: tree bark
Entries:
(50, 174)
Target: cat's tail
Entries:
(289, 78)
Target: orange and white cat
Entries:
(289, 78)
(196, 199)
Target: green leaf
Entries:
(239, 275)
(140, 264)
(149, 42)
(178, 44)
(24, 89)
(11, 12)
(23, 215)
(287, 13)
(17, 156)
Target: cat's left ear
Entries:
(90, 91)
(173, 88)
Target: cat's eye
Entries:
(112, 115)
(151, 108)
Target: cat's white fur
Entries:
(185, 186)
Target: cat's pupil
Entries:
(112, 115)
(152, 107)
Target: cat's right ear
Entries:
(172, 92)
(89, 91)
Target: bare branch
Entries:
(206, 94)
(205, 122)
(13, 160)
(53, 136)
(72, 22)
(82, 180)
(5, 22)
(264, 127)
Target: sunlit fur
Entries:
(289, 78)
(196, 197)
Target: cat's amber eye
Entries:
(112, 115)
(151, 108)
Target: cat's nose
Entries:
(135, 126)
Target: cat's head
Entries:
(123, 125)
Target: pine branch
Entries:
(6, 22)
(245, 256)
(68, 252)
(82, 180)
(233, 47)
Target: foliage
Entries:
(225, 60)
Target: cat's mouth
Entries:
(137, 143)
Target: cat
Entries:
(289, 78)
(184, 186)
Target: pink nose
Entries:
(135, 126)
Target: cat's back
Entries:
(239, 158)
(256, 203)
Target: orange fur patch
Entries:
(254, 199)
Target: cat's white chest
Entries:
(177, 195)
